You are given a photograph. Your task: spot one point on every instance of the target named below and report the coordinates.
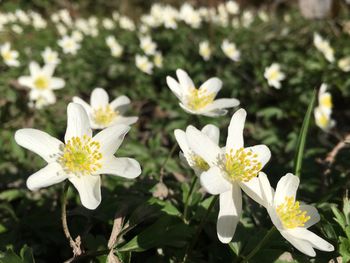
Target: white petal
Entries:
(263, 152)
(48, 69)
(235, 131)
(188, 110)
(185, 81)
(57, 83)
(111, 138)
(120, 101)
(125, 120)
(39, 142)
(221, 104)
(229, 213)
(89, 188)
(213, 113)
(203, 145)
(77, 122)
(34, 68)
(302, 245)
(26, 81)
(124, 167)
(313, 239)
(312, 213)
(85, 105)
(181, 139)
(174, 87)
(211, 86)
(214, 182)
(212, 132)
(99, 98)
(287, 186)
(253, 190)
(49, 175)
(266, 189)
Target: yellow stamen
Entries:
(199, 163)
(41, 83)
(104, 115)
(81, 156)
(242, 165)
(7, 55)
(198, 99)
(326, 101)
(290, 214)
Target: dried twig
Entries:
(331, 156)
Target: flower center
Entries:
(199, 162)
(199, 98)
(242, 165)
(326, 101)
(81, 156)
(274, 75)
(7, 55)
(104, 115)
(41, 83)
(290, 214)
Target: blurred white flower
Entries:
(41, 82)
(77, 35)
(50, 56)
(188, 156)
(126, 23)
(232, 7)
(108, 23)
(247, 18)
(9, 56)
(205, 50)
(81, 159)
(102, 113)
(323, 111)
(231, 168)
(230, 50)
(17, 29)
(291, 218)
(344, 64)
(324, 47)
(69, 45)
(199, 101)
(22, 17)
(158, 59)
(144, 64)
(274, 75)
(147, 45)
(190, 16)
(38, 21)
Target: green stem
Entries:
(199, 229)
(260, 245)
(193, 184)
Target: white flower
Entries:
(344, 64)
(41, 83)
(323, 111)
(231, 168)
(9, 56)
(247, 18)
(143, 63)
(126, 23)
(77, 35)
(291, 218)
(324, 47)
(38, 21)
(39, 99)
(232, 7)
(205, 50)
(190, 16)
(188, 156)
(199, 101)
(230, 50)
(115, 47)
(108, 23)
(17, 29)
(50, 56)
(81, 159)
(325, 98)
(102, 113)
(147, 45)
(158, 59)
(69, 45)
(274, 75)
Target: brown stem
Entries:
(331, 156)
(74, 244)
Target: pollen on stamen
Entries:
(198, 162)
(104, 115)
(290, 214)
(242, 165)
(81, 156)
(199, 98)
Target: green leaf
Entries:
(302, 136)
(166, 231)
(339, 217)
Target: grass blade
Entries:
(298, 160)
